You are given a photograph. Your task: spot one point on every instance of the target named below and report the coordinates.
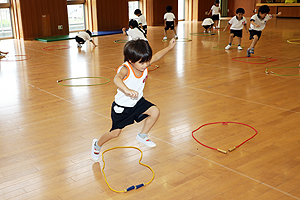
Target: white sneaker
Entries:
(165, 38)
(94, 152)
(176, 37)
(205, 31)
(240, 48)
(209, 31)
(79, 45)
(146, 141)
(228, 47)
(218, 27)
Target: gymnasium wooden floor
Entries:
(46, 129)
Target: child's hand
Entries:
(172, 43)
(224, 30)
(257, 25)
(123, 29)
(132, 93)
(279, 13)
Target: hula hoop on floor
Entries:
(267, 72)
(203, 34)
(120, 41)
(178, 40)
(294, 41)
(26, 58)
(56, 47)
(269, 59)
(225, 123)
(218, 46)
(66, 79)
(133, 186)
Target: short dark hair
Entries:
(169, 8)
(137, 12)
(89, 32)
(264, 9)
(240, 10)
(217, 1)
(133, 23)
(137, 50)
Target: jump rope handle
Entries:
(134, 187)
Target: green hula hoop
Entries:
(203, 34)
(120, 41)
(178, 40)
(66, 79)
(218, 46)
(267, 72)
(293, 41)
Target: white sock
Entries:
(142, 135)
(96, 146)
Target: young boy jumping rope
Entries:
(129, 104)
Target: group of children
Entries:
(129, 105)
(237, 23)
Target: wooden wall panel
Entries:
(112, 14)
(32, 12)
(248, 5)
(156, 10)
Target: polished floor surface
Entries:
(46, 129)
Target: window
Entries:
(132, 5)
(5, 18)
(76, 15)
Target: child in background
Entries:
(207, 24)
(237, 23)
(215, 10)
(169, 18)
(141, 20)
(83, 36)
(129, 104)
(134, 32)
(257, 24)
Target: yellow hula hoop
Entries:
(133, 186)
(294, 41)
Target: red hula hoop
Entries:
(62, 47)
(224, 123)
(16, 59)
(270, 59)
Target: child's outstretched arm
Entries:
(163, 52)
(275, 15)
(209, 12)
(93, 43)
(124, 31)
(226, 27)
(245, 26)
(118, 80)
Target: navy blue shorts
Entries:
(237, 33)
(123, 116)
(254, 32)
(215, 17)
(169, 25)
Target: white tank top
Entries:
(132, 82)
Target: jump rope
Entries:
(225, 123)
(133, 186)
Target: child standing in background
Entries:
(129, 104)
(169, 18)
(237, 23)
(215, 10)
(134, 32)
(141, 20)
(257, 24)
